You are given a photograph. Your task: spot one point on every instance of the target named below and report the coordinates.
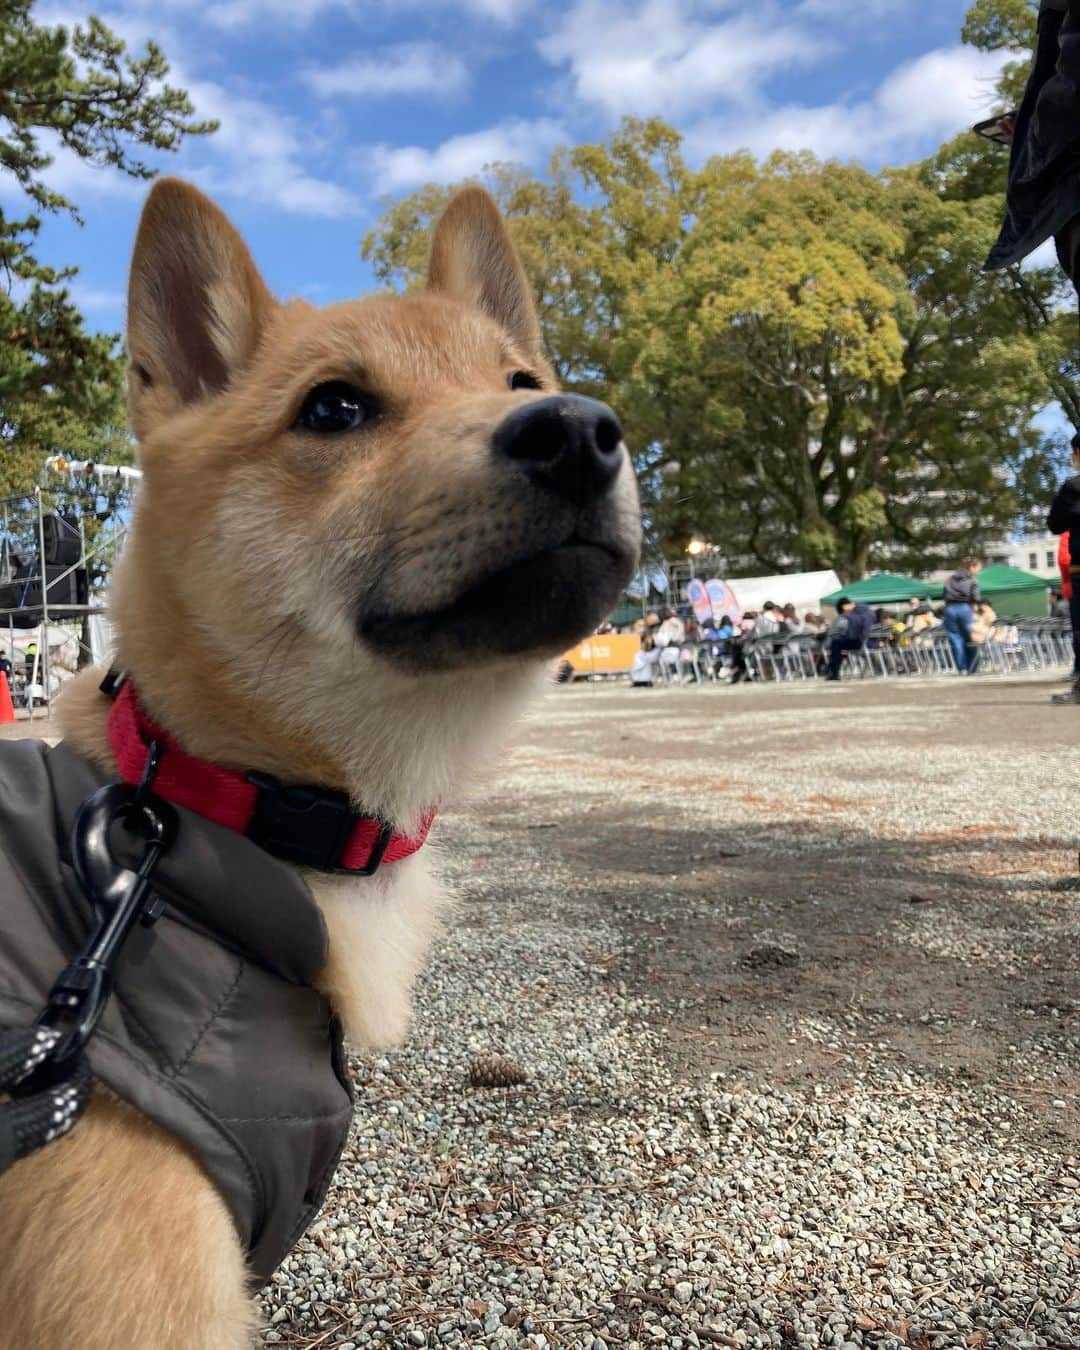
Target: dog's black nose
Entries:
(570, 444)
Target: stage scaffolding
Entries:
(48, 634)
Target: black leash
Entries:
(45, 1079)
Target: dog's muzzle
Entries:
(563, 458)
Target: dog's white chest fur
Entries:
(380, 929)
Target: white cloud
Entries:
(259, 156)
(301, 14)
(98, 301)
(135, 22)
(405, 68)
(395, 169)
(74, 178)
(101, 303)
(671, 56)
(503, 11)
(246, 13)
(506, 13)
(933, 97)
(140, 16)
(1044, 256)
(260, 153)
(941, 92)
(845, 10)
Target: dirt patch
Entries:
(816, 913)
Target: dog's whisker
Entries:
(286, 635)
(282, 624)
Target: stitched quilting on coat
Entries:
(214, 1030)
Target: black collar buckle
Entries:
(310, 826)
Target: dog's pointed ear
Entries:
(196, 304)
(474, 259)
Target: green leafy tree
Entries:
(852, 389)
(813, 367)
(1004, 26)
(61, 387)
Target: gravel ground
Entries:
(791, 974)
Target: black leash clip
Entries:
(121, 898)
(42, 1069)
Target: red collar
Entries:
(313, 826)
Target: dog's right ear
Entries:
(196, 304)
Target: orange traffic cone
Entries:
(7, 709)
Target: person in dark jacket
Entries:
(860, 619)
(962, 594)
(1043, 197)
(1064, 518)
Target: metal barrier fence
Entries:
(1014, 645)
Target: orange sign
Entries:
(610, 655)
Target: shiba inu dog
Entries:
(362, 533)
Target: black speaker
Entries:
(25, 592)
(63, 543)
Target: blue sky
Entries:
(329, 106)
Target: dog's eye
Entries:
(334, 407)
(522, 379)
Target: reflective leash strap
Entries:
(28, 1123)
(45, 1079)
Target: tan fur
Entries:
(113, 1239)
(470, 260)
(234, 606)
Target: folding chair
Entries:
(667, 668)
(761, 658)
(941, 653)
(874, 651)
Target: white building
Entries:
(1029, 552)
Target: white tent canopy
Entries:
(801, 589)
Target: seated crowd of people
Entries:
(681, 648)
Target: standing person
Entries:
(1064, 519)
(858, 620)
(1043, 194)
(962, 594)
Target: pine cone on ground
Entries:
(495, 1071)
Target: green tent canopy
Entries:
(1010, 591)
(884, 589)
(626, 614)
